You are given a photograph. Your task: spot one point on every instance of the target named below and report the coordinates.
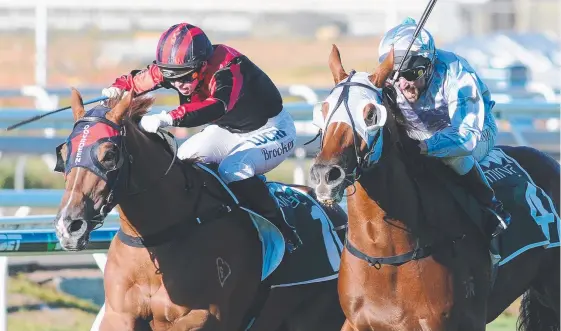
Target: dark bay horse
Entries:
(413, 260)
(186, 256)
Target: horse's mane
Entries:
(421, 168)
(400, 130)
(389, 97)
(139, 107)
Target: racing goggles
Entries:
(412, 74)
(183, 74)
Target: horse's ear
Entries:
(336, 66)
(77, 105)
(384, 70)
(118, 112)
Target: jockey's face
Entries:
(187, 81)
(412, 89)
(185, 88)
(413, 78)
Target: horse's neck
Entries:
(161, 201)
(384, 212)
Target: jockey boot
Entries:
(253, 194)
(476, 182)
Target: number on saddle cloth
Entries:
(535, 220)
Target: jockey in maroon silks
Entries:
(249, 132)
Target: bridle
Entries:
(114, 175)
(362, 162)
(419, 252)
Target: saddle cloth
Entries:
(319, 257)
(535, 222)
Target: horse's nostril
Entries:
(334, 174)
(314, 174)
(76, 226)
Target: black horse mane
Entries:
(389, 100)
(139, 107)
(421, 168)
(399, 129)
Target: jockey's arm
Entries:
(144, 80)
(466, 108)
(225, 87)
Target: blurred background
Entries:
(48, 46)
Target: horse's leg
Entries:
(114, 321)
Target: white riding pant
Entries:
(463, 164)
(243, 155)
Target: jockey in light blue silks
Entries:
(448, 108)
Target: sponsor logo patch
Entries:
(267, 136)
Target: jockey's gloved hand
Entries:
(151, 123)
(113, 92)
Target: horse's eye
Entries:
(109, 155)
(371, 116)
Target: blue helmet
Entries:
(400, 36)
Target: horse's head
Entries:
(351, 119)
(91, 160)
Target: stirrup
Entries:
(290, 245)
(495, 256)
(501, 226)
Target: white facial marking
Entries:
(424, 325)
(60, 222)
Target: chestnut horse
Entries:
(187, 256)
(412, 259)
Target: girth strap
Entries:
(396, 260)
